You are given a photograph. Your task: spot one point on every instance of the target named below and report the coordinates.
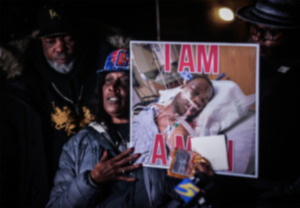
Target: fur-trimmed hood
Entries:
(12, 56)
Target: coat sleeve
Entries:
(71, 187)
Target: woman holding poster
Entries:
(94, 163)
(96, 167)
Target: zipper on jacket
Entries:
(75, 104)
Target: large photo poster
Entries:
(199, 97)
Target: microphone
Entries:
(193, 190)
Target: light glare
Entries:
(226, 14)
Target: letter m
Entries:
(208, 63)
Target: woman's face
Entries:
(116, 96)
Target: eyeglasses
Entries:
(265, 33)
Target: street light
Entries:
(226, 14)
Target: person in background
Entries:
(275, 26)
(42, 108)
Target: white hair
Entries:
(61, 68)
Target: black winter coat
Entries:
(40, 111)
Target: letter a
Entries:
(159, 150)
(186, 59)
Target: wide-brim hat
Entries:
(55, 20)
(117, 60)
(281, 14)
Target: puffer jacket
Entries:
(74, 188)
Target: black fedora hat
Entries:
(281, 14)
(55, 19)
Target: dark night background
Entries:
(185, 20)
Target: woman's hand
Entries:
(113, 169)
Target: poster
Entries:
(184, 93)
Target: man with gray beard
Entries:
(45, 106)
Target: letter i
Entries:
(167, 58)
